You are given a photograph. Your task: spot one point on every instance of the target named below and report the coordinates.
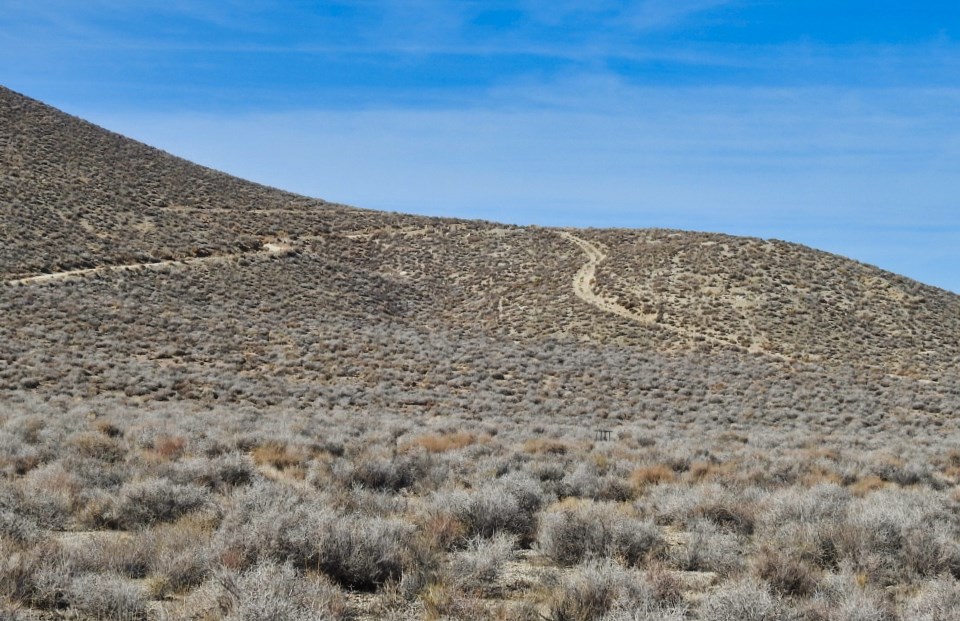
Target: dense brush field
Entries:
(222, 401)
(360, 507)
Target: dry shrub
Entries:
(54, 490)
(19, 528)
(108, 428)
(273, 591)
(938, 601)
(849, 599)
(702, 471)
(952, 473)
(156, 500)
(502, 506)
(108, 597)
(269, 521)
(170, 448)
(708, 549)
(32, 504)
(10, 611)
(867, 484)
(569, 535)
(365, 553)
(787, 576)
(393, 473)
(893, 536)
(20, 464)
(730, 515)
(219, 474)
(97, 446)
(590, 481)
(743, 600)
(665, 588)
(930, 550)
(824, 503)
(546, 446)
(654, 474)
(586, 594)
(443, 529)
(179, 556)
(443, 602)
(598, 589)
(476, 568)
(950, 464)
(37, 576)
(17, 569)
(108, 552)
(818, 475)
(276, 454)
(441, 443)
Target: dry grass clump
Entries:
(276, 454)
(550, 446)
(653, 474)
(441, 443)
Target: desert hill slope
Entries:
(76, 197)
(220, 401)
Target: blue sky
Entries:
(834, 124)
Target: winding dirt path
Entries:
(583, 286)
(268, 249)
(586, 276)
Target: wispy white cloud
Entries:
(654, 14)
(635, 15)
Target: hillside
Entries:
(168, 331)
(76, 196)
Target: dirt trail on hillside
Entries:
(583, 286)
(585, 278)
(268, 249)
(273, 248)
